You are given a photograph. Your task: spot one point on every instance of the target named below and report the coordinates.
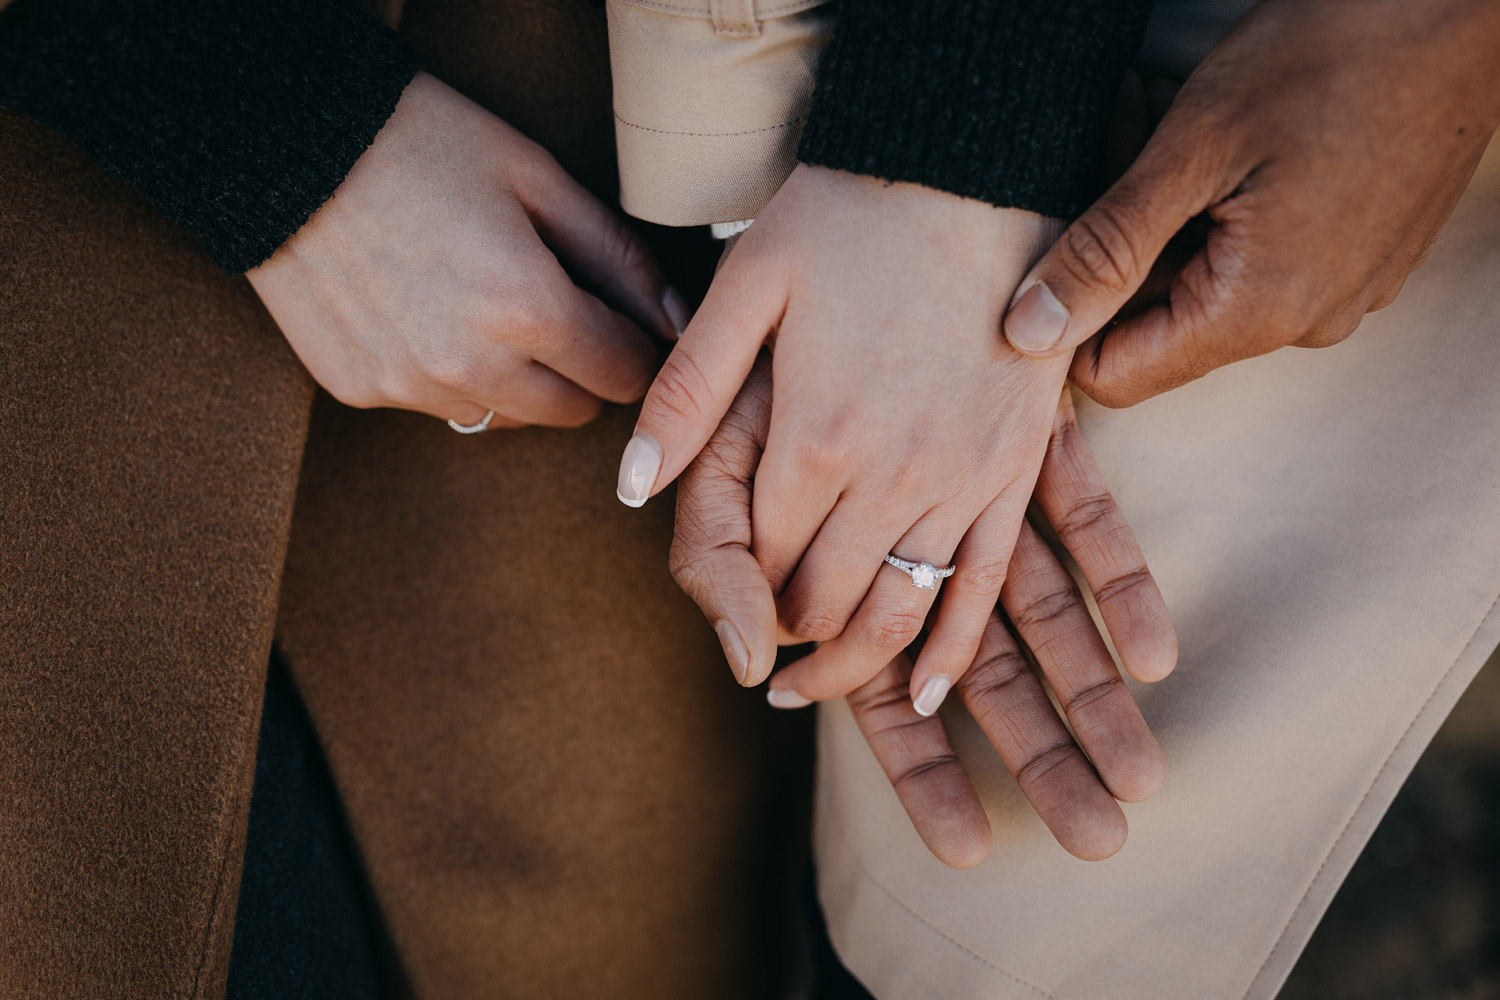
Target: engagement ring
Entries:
(923, 574)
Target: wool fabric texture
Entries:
(1004, 102)
(237, 120)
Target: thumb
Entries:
(698, 382)
(1106, 254)
(711, 557)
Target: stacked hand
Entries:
(712, 560)
(902, 423)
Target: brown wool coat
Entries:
(555, 788)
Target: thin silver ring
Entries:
(483, 425)
(923, 574)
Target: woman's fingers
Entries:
(538, 395)
(1008, 702)
(1051, 617)
(887, 621)
(1071, 493)
(916, 756)
(598, 247)
(699, 380)
(586, 341)
(834, 574)
(711, 557)
(969, 597)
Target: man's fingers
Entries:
(916, 756)
(698, 382)
(1048, 612)
(1105, 255)
(1071, 493)
(710, 556)
(599, 248)
(1012, 708)
(1209, 320)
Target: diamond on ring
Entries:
(483, 425)
(923, 574)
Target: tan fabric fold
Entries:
(1326, 529)
(707, 120)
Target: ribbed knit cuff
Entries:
(236, 118)
(1007, 101)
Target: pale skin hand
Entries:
(1327, 141)
(902, 422)
(437, 278)
(712, 561)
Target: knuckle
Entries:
(1086, 514)
(449, 369)
(687, 561)
(1045, 609)
(681, 389)
(816, 623)
(986, 576)
(827, 444)
(1043, 762)
(894, 629)
(1099, 250)
(1123, 584)
(1099, 690)
(624, 247)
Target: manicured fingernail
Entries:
(930, 698)
(639, 467)
(786, 698)
(1037, 321)
(676, 308)
(735, 650)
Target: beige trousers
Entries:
(1325, 526)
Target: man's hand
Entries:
(1327, 141)
(437, 278)
(711, 559)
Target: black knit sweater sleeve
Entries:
(236, 118)
(1007, 101)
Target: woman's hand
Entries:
(902, 423)
(712, 561)
(1327, 140)
(437, 278)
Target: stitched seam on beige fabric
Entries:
(935, 929)
(712, 135)
(1302, 901)
(700, 14)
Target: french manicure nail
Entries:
(1037, 321)
(676, 308)
(735, 650)
(930, 698)
(786, 698)
(639, 467)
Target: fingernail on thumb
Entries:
(639, 467)
(930, 698)
(735, 650)
(1037, 321)
(676, 308)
